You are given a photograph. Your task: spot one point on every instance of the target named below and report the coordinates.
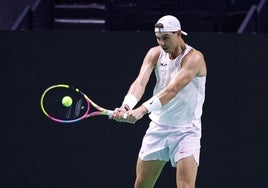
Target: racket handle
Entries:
(125, 116)
(109, 112)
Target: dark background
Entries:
(98, 152)
(242, 16)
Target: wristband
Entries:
(153, 104)
(125, 106)
(130, 100)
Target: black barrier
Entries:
(98, 152)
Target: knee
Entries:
(142, 184)
(185, 184)
(139, 184)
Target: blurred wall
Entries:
(98, 152)
(10, 11)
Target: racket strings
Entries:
(79, 108)
(54, 107)
(52, 103)
(68, 113)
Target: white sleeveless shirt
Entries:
(187, 105)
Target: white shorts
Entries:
(171, 143)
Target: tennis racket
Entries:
(77, 108)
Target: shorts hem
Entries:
(196, 155)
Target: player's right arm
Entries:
(137, 88)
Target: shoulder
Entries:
(153, 54)
(195, 60)
(195, 56)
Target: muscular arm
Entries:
(193, 65)
(137, 88)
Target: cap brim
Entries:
(184, 33)
(163, 30)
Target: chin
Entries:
(166, 50)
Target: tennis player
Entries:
(175, 108)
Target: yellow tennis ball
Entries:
(67, 101)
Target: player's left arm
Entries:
(192, 65)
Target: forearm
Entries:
(137, 89)
(157, 101)
(133, 95)
(166, 95)
(175, 86)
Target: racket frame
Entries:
(101, 110)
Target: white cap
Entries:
(168, 24)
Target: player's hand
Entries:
(133, 116)
(118, 114)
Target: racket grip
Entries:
(125, 116)
(109, 112)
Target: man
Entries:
(175, 109)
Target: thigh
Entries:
(147, 172)
(186, 172)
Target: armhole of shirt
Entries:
(159, 57)
(185, 54)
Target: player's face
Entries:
(167, 41)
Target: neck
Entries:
(178, 51)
